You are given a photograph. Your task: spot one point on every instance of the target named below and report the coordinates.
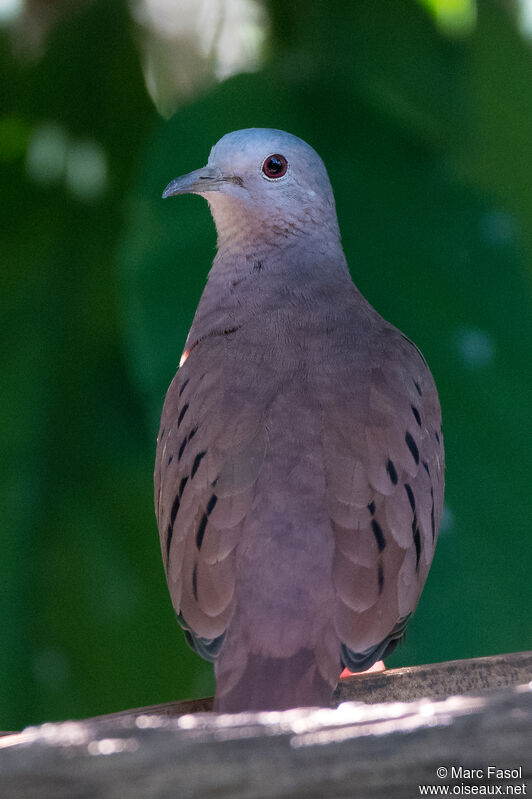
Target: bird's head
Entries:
(266, 181)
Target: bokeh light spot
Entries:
(525, 17)
(86, 170)
(190, 44)
(497, 227)
(453, 17)
(46, 155)
(447, 520)
(10, 10)
(475, 347)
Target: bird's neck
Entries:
(248, 231)
(266, 266)
(286, 284)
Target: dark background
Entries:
(423, 117)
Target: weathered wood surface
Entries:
(435, 680)
(438, 680)
(356, 750)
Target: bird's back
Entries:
(298, 488)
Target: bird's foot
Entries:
(378, 666)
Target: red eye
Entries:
(275, 166)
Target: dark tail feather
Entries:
(275, 684)
(360, 661)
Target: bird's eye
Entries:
(275, 166)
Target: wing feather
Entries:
(211, 448)
(384, 473)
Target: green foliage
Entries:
(426, 140)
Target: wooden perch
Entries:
(384, 749)
(435, 680)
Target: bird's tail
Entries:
(273, 684)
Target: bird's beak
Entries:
(208, 178)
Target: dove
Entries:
(299, 470)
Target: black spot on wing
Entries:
(195, 582)
(181, 416)
(183, 387)
(186, 441)
(371, 508)
(170, 459)
(204, 519)
(417, 416)
(392, 472)
(197, 460)
(426, 467)
(410, 495)
(380, 575)
(175, 508)
(418, 388)
(417, 540)
(412, 446)
(379, 535)
(173, 513)
(200, 532)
